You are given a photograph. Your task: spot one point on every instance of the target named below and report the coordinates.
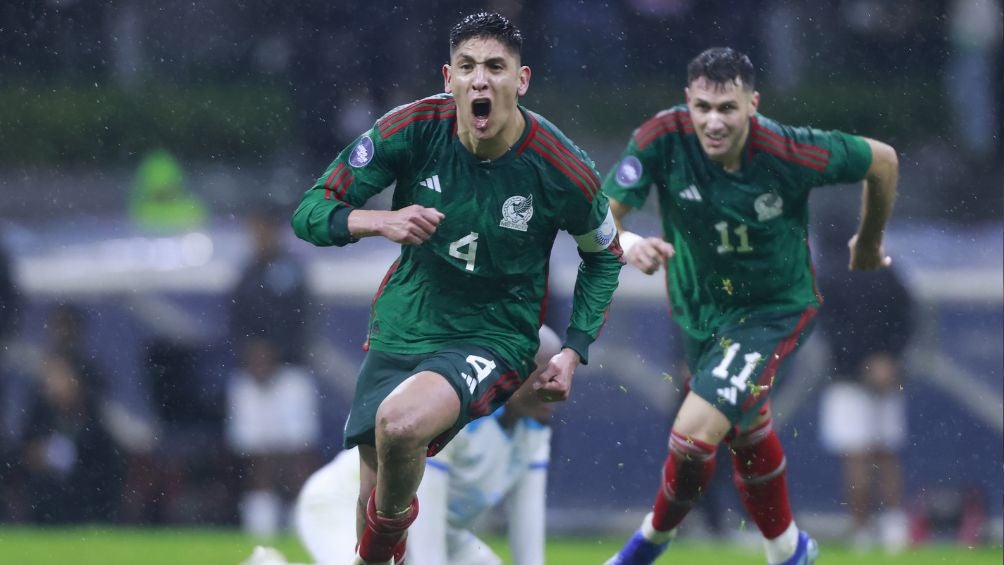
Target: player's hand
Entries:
(554, 383)
(412, 225)
(649, 254)
(867, 256)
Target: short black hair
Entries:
(488, 25)
(721, 65)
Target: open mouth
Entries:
(481, 109)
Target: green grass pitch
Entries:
(115, 546)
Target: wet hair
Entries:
(721, 65)
(488, 25)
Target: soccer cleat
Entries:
(265, 556)
(638, 551)
(806, 552)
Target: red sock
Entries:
(383, 536)
(759, 463)
(685, 473)
(400, 549)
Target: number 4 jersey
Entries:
(740, 238)
(482, 277)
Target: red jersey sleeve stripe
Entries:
(790, 146)
(807, 149)
(329, 182)
(643, 142)
(420, 108)
(787, 155)
(676, 118)
(342, 185)
(580, 166)
(592, 181)
(444, 115)
(534, 125)
(561, 166)
(409, 107)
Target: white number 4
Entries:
(482, 368)
(471, 241)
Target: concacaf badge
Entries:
(768, 206)
(362, 153)
(516, 212)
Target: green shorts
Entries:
(735, 369)
(482, 379)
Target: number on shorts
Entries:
(739, 381)
(482, 368)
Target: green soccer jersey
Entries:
(741, 239)
(482, 277)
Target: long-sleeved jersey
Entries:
(482, 276)
(740, 238)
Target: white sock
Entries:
(653, 535)
(781, 548)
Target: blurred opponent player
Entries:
(499, 459)
(733, 188)
(482, 187)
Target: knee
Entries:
(397, 427)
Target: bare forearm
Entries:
(879, 193)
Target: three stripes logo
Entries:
(432, 183)
(691, 193)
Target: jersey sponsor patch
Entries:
(600, 238)
(628, 171)
(362, 154)
(516, 212)
(768, 206)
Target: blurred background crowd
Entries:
(170, 355)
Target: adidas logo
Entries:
(431, 183)
(691, 194)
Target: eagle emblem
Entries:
(516, 212)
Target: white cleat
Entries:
(265, 556)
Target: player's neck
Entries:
(497, 146)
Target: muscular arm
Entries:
(412, 225)
(647, 254)
(877, 200)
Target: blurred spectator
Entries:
(10, 307)
(175, 475)
(867, 322)
(73, 466)
(160, 201)
(971, 79)
(273, 427)
(271, 297)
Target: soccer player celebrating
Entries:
(733, 189)
(482, 187)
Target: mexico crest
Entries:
(768, 206)
(516, 212)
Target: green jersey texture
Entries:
(741, 239)
(482, 277)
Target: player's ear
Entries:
(446, 79)
(524, 80)
(686, 94)
(755, 100)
